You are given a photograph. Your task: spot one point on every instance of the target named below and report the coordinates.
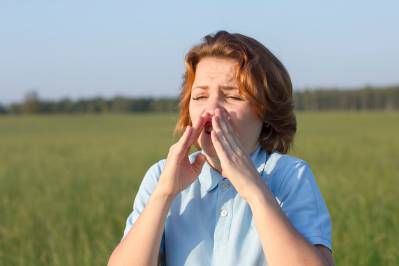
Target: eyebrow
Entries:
(225, 88)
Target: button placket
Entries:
(224, 205)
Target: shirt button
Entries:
(223, 213)
(226, 185)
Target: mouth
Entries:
(208, 127)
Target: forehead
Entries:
(212, 69)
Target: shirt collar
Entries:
(210, 178)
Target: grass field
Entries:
(67, 182)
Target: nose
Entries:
(213, 104)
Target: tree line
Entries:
(368, 98)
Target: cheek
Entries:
(238, 118)
(245, 123)
(239, 125)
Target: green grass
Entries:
(67, 182)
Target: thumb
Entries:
(199, 162)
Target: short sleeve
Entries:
(143, 195)
(302, 202)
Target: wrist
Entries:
(164, 194)
(258, 194)
(252, 187)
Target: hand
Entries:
(178, 172)
(235, 162)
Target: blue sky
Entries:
(136, 48)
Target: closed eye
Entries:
(238, 98)
(198, 98)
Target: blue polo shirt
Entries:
(210, 224)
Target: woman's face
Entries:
(215, 86)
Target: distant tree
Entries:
(31, 103)
(65, 105)
(119, 104)
(15, 108)
(140, 105)
(368, 98)
(164, 105)
(3, 110)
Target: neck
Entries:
(214, 163)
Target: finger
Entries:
(226, 121)
(185, 137)
(225, 145)
(232, 135)
(198, 127)
(221, 123)
(230, 125)
(195, 132)
(219, 146)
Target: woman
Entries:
(239, 200)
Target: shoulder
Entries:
(282, 164)
(157, 167)
(283, 168)
(296, 190)
(153, 173)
